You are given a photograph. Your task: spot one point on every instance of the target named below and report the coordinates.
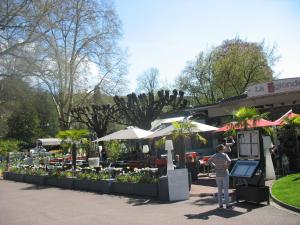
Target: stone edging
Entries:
(284, 205)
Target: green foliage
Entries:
(238, 63)
(35, 171)
(293, 122)
(227, 70)
(60, 173)
(7, 146)
(47, 115)
(114, 150)
(14, 95)
(72, 135)
(16, 170)
(287, 189)
(102, 175)
(138, 176)
(160, 143)
(184, 130)
(88, 176)
(93, 176)
(23, 124)
(3, 167)
(244, 115)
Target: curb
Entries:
(282, 204)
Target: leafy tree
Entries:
(17, 92)
(227, 70)
(182, 131)
(7, 146)
(148, 81)
(73, 138)
(114, 150)
(13, 91)
(48, 119)
(238, 63)
(23, 124)
(141, 110)
(289, 133)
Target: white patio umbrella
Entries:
(130, 133)
(197, 127)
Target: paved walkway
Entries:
(26, 204)
(204, 186)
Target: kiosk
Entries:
(250, 168)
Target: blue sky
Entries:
(167, 33)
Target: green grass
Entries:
(287, 189)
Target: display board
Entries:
(244, 168)
(248, 144)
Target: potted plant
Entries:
(140, 182)
(15, 174)
(35, 176)
(62, 179)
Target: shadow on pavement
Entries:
(143, 201)
(214, 212)
(34, 187)
(205, 201)
(209, 182)
(249, 206)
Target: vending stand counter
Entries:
(250, 168)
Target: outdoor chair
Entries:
(206, 167)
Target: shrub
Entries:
(88, 176)
(138, 176)
(60, 173)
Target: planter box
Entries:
(61, 182)
(150, 190)
(106, 185)
(65, 182)
(122, 188)
(13, 176)
(81, 184)
(5, 174)
(252, 194)
(52, 181)
(32, 179)
(103, 186)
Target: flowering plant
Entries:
(144, 175)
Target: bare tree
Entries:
(95, 117)
(84, 37)
(197, 79)
(141, 110)
(148, 81)
(19, 29)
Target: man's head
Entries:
(220, 148)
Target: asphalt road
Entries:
(26, 204)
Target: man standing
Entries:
(221, 162)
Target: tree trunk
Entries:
(179, 149)
(74, 156)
